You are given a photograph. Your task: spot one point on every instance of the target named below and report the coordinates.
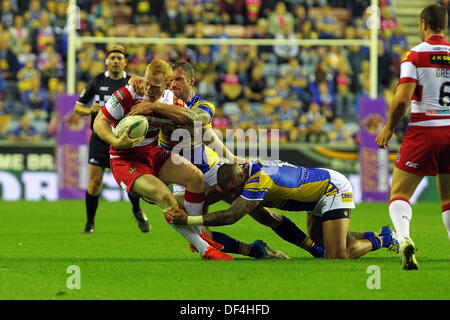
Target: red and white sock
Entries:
(193, 204)
(446, 217)
(401, 213)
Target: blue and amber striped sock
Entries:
(231, 245)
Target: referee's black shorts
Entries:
(98, 152)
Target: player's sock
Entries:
(91, 206)
(401, 214)
(446, 217)
(288, 231)
(193, 204)
(235, 246)
(135, 202)
(192, 236)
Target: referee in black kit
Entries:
(98, 90)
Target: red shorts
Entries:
(141, 160)
(425, 151)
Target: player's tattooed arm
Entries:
(239, 208)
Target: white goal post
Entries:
(75, 42)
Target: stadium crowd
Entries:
(310, 93)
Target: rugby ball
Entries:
(138, 126)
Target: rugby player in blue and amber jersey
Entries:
(325, 194)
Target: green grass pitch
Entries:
(40, 240)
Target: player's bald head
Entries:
(228, 174)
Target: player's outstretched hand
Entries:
(176, 216)
(138, 85)
(384, 136)
(125, 142)
(142, 107)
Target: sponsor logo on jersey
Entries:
(411, 164)
(437, 112)
(103, 88)
(114, 101)
(132, 170)
(441, 59)
(398, 157)
(253, 180)
(347, 197)
(406, 55)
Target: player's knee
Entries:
(195, 181)
(336, 253)
(353, 251)
(94, 186)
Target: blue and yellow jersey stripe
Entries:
(199, 154)
(285, 186)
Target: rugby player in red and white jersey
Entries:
(140, 166)
(425, 150)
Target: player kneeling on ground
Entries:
(325, 194)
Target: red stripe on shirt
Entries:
(416, 117)
(108, 115)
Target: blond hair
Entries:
(157, 67)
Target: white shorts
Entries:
(209, 179)
(343, 199)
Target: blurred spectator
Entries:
(338, 134)
(301, 16)
(13, 105)
(54, 69)
(43, 35)
(210, 12)
(207, 87)
(8, 61)
(262, 32)
(327, 25)
(384, 66)
(160, 52)
(26, 75)
(203, 60)
(279, 18)
(7, 14)
(267, 118)
(59, 22)
(36, 99)
(254, 90)
(171, 20)
(5, 118)
(25, 131)
(231, 11)
(321, 74)
(324, 96)
(286, 119)
(223, 57)
(219, 33)
(345, 101)
(246, 119)
(231, 88)
(363, 93)
(313, 113)
(285, 52)
(104, 19)
(19, 35)
(316, 134)
(355, 58)
(142, 11)
(33, 15)
(221, 122)
(387, 21)
(399, 42)
(298, 80)
(252, 7)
